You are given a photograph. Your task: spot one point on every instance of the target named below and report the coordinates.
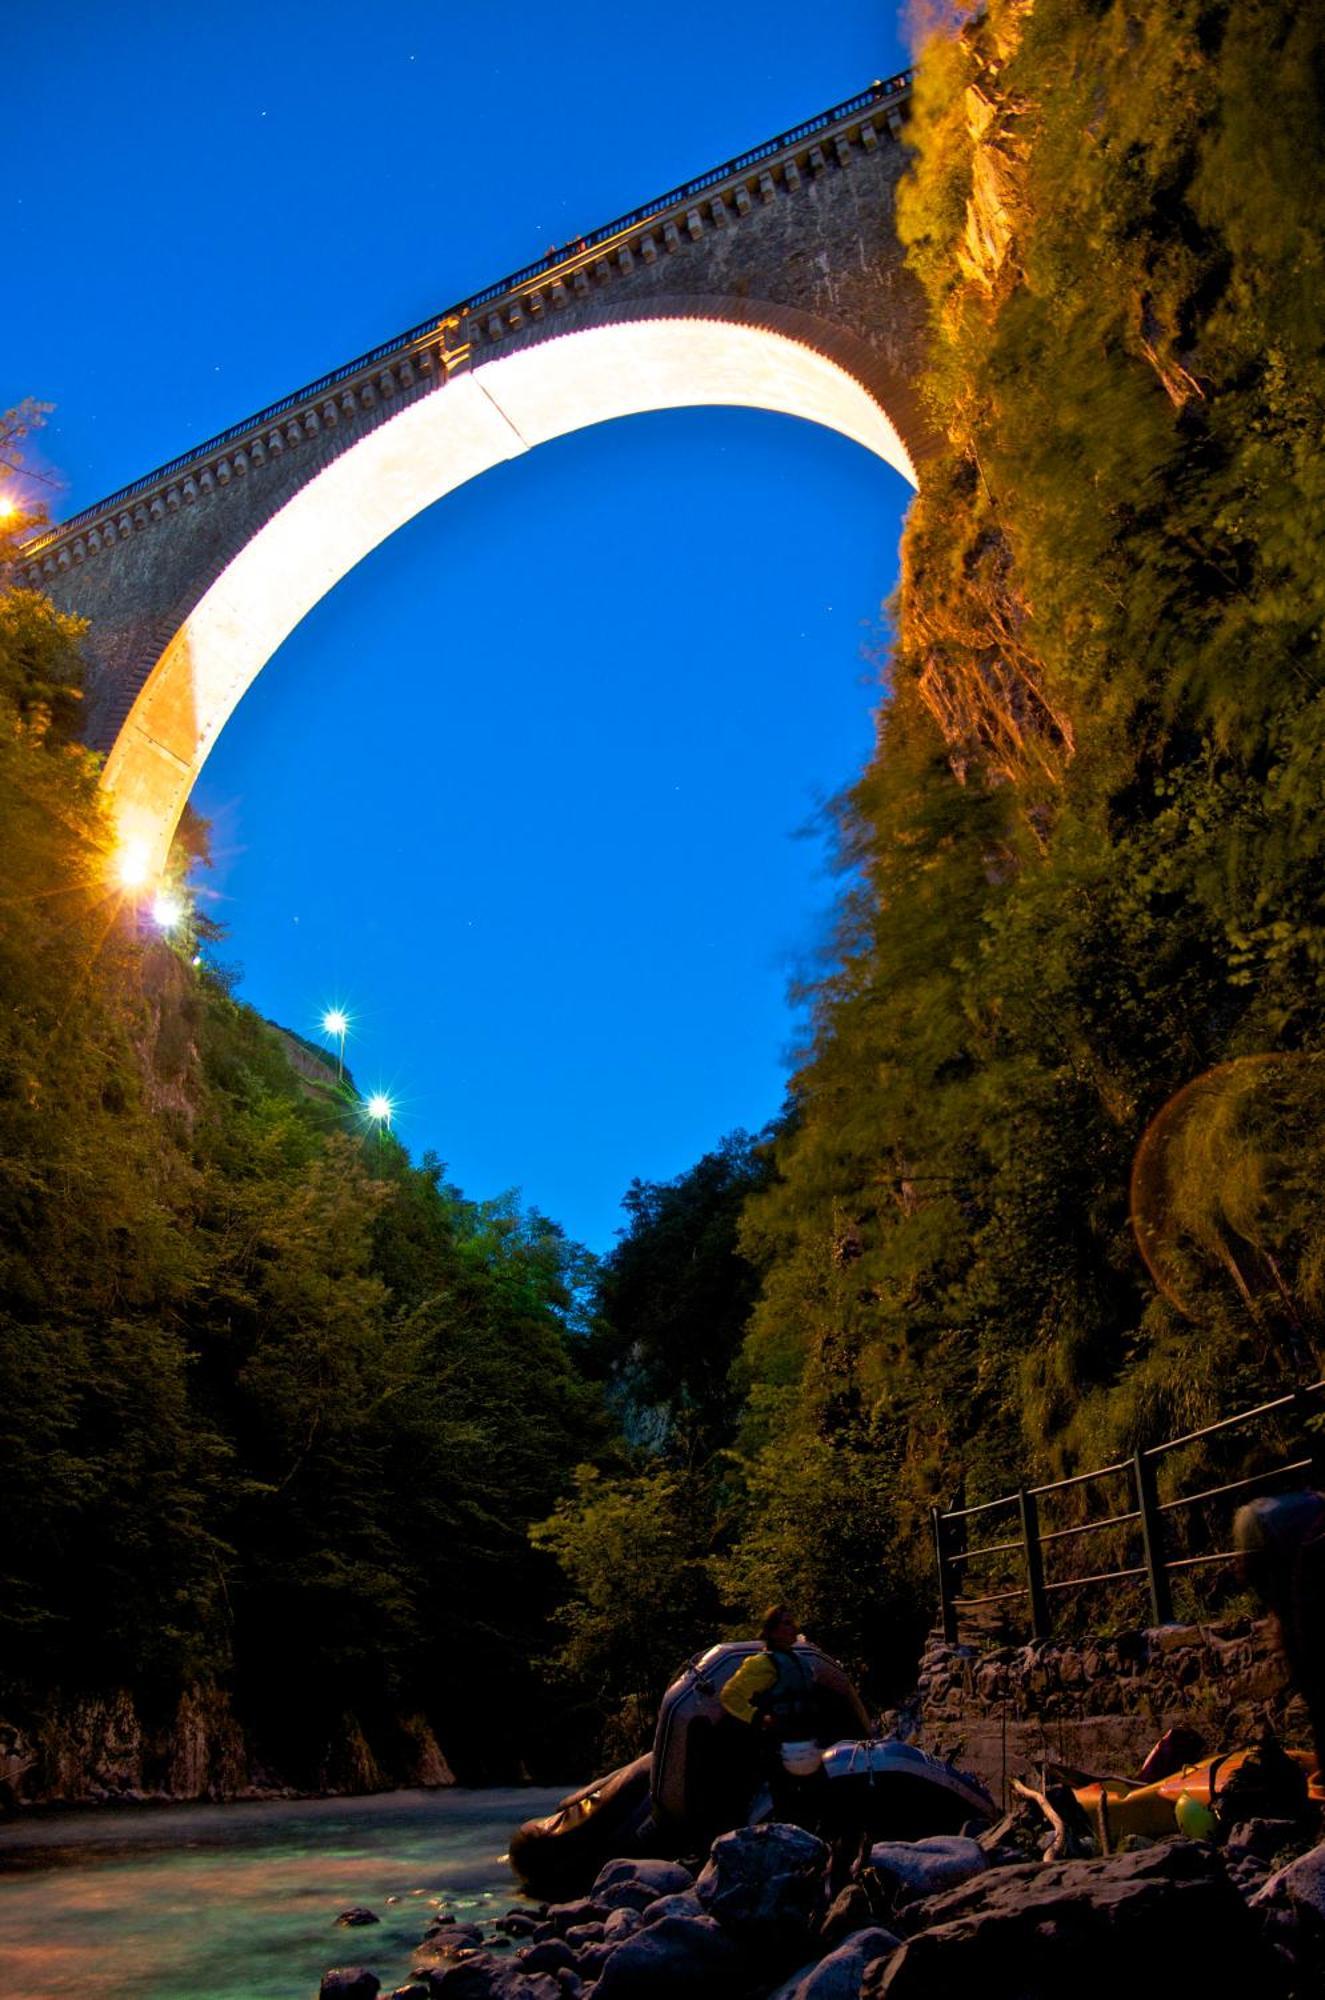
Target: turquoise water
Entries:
(239, 1902)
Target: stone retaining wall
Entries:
(1100, 1703)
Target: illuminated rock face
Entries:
(778, 285)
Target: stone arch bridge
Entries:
(774, 281)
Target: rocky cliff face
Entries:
(101, 1748)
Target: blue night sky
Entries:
(524, 793)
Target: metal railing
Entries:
(895, 88)
(1142, 1517)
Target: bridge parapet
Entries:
(330, 413)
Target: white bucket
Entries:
(801, 1760)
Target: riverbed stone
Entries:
(635, 1884)
(914, 1868)
(1292, 1906)
(356, 1917)
(622, 1923)
(1080, 1928)
(767, 1885)
(550, 1956)
(693, 1954)
(482, 1977)
(584, 1910)
(839, 1976)
(349, 1982)
(684, 1905)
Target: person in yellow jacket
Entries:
(774, 1690)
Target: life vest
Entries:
(791, 1700)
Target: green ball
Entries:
(1194, 1818)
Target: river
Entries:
(239, 1902)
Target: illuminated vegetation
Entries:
(276, 1407)
(1084, 864)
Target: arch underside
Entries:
(479, 418)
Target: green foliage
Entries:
(672, 1301)
(633, 1549)
(1088, 847)
(276, 1407)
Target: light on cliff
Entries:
(167, 910)
(379, 1108)
(133, 865)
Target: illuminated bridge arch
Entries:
(775, 282)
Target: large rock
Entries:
(767, 1885)
(839, 1976)
(915, 1868)
(564, 1917)
(552, 1955)
(690, 1954)
(1087, 1929)
(1292, 1904)
(483, 1977)
(686, 1905)
(349, 1982)
(633, 1885)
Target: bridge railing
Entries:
(1136, 1524)
(893, 90)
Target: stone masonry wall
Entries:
(1099, 1704)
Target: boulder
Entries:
(1292, 1906)
(693, 1954)
(622, 1923)
(482, 1977)
(686, 1905)
(767, 1885)
(469, 1977)
(354, 1919)
(349, 1982)
(517, 1924)
(915, 1868)
(849, 1911)
(635, 1884)
(581, 1934)
(839, 1976)
(553, 1955)
(1088, 1929)
(565, 1916)
(1267, 1839)
(446, 1934)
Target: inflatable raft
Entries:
(705, 1774)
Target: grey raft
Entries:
(706, 1773)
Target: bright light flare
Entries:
(133, 865)
(335, 1022)
(379, 1108)
(167, 909)
(8, 506)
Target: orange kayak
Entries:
(1118, 1806)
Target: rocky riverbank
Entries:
(937, 1919)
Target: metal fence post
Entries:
(1152, 1539)
(1303, 1412)
(947, 1606)
(1030, 1536)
